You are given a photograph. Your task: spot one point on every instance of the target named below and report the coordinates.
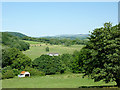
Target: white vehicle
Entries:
(24, 74)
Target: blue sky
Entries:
(49, 18)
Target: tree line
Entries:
(57, 41)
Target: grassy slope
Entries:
(35, 52)
(52, 81)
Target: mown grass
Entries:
(36, 51)
(52, 81)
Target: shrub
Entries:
(16, 71)
(4, 70)
(57, 73)
(47, 49)
(8, 74)
(34, 72)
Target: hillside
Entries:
(65, 36)
(70, 36)
(11, 41)
(20, 35)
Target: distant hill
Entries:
(15, 39)
(20, 35)
(68, 36)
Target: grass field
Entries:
(36, 51)
(32, 42)
(52, 81)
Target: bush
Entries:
(47, 49)
(8, 74)
(4, 70)
(16, 71)
(34, 72)
(57, 73)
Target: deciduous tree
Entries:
(103, 60)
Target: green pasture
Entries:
(52, 81)
(36, 51)
(32, 42)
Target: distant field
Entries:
(36, 51)
(52, 81)
(32, 42)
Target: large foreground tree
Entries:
(103, 60)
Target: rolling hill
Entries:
(64, 36)
(20, 35)
(12, 41)
(70, 36)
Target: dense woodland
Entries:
(99, 59)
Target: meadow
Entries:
(36, 51)
(32, 42)
(52, 81)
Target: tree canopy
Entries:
(47, 64)
(103, 55)
(14, 58)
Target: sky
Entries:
(56, 18)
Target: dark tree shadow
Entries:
(104, 86)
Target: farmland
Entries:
(52, 81)
(36, 51)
